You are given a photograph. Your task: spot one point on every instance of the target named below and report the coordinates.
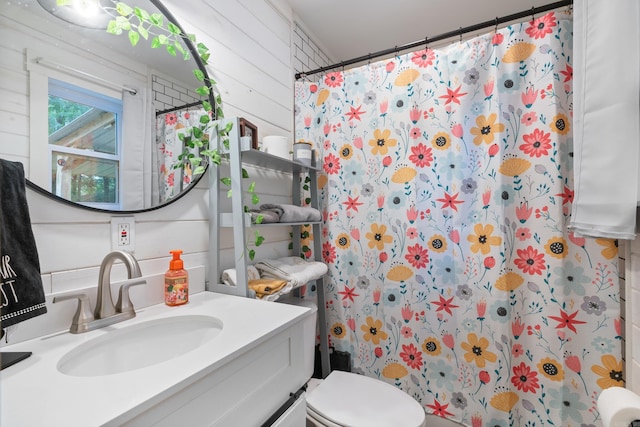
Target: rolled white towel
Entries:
(229, 276)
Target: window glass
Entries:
(84, 145)
(85, 179)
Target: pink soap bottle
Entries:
(176, 281)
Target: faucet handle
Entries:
(124, 304)
(83, 315)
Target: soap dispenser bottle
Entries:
(176, 281)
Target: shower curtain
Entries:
(169, 126)
(446, 196)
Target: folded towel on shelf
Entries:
(264, 287)
(274, 209)
(292, 269)
(229, 276)
(291, 213)
(20, 281)
(276, 295)
(268, 216)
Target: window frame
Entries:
(75, 93)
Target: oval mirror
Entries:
(99, 120)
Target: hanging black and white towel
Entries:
(21, 291)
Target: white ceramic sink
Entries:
(140, 345)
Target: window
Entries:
(84, 129)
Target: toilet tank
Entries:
(309, 325)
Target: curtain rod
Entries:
(182, 107)
(100, 80)
(443, 36)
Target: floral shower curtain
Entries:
(446, 198)
(169, 146)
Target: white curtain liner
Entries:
(134, 135)
(606, 117)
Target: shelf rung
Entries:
(226, 220)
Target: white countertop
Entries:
(34, 393)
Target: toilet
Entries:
(347, 399)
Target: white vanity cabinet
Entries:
(244, 392)
(241, 377)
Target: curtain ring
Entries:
(397, 51)
(369, 59)
(496, 29)
(460, 35)
(426, 43)
(533, 13)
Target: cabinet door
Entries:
(244, 392)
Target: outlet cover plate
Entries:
(123, 233)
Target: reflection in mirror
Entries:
(98, 120)
(84, 143)
(85, 13)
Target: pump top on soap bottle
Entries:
(176, 281)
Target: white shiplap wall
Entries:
(250, 41)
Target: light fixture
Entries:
(85, 13)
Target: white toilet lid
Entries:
(350, 399)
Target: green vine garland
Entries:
(138, 24)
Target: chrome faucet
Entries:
(106, 313)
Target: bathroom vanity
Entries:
(236, 364)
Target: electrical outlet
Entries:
(123, 233)
(124, 237)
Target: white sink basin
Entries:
(139, 345)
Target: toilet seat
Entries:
(347, 399)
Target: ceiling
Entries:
(346, 29)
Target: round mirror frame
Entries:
(196, 57)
